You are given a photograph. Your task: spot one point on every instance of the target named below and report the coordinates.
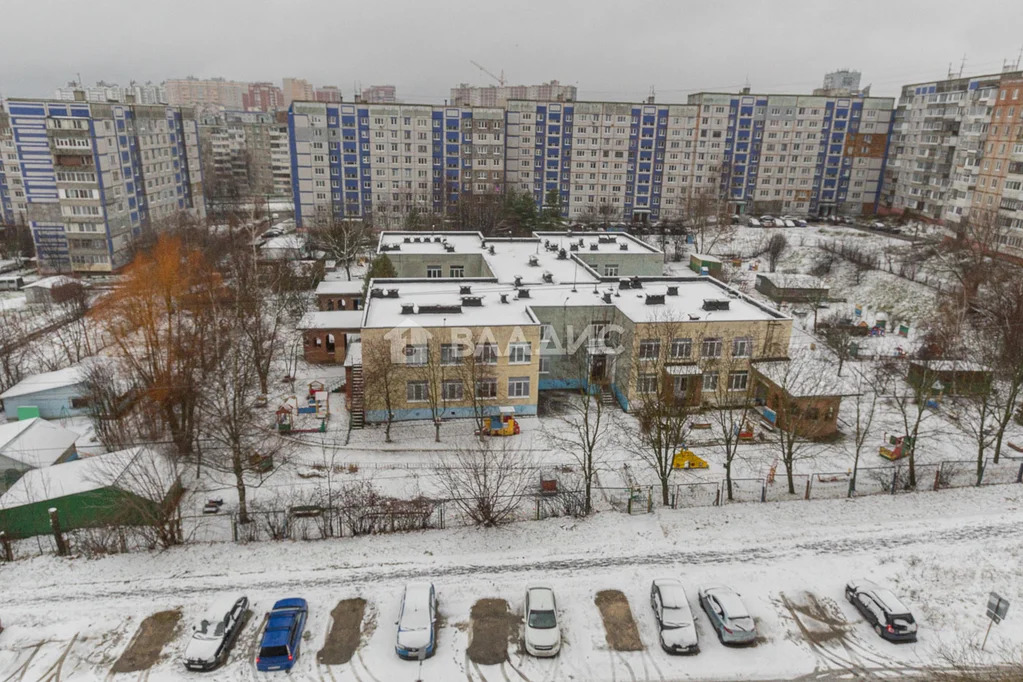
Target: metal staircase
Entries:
(358, 411)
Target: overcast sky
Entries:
(610, 50)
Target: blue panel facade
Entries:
(296, 196)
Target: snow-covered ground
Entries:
(71, 619)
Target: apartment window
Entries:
(487, 353)
(451, 389)
(417, 354)
(649, 349)
(679, 386)
(710, 381)
(545, 364)
(416, 392)
(518, 387)
(519, 353)
(741, 346)
(737, 381)
(457, 271)
(451, 353)
(647, 384)
(681, 348)
(611, 270)
(486, 388)
(711, 348)
(434, 271)
(546, 332)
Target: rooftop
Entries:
(35, 442)
(336, 287)
(62, 378)
(788, 280)
(331, 319)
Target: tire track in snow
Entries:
(365, 668)
(628, 668)
(58, 665)
(19, 672)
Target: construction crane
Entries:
(499, 79)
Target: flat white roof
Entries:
(55, 281)
(516, 257)
(606, 242)
(951, 365)
(331, 319)
(431, 242)
(336, 287)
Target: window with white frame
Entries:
(611, 270)
(417, 354)
(545, 364)
(486, 353)
(417, 391)
(457, 271)
(451, 353)
(434, 271)
(518, 387)
(681, 348)
(711, 348)
(742, 346)
(737, 381)
(647, 384)
(451, 389)
(710, 381)
(486, 388)
(519, 353)
(546, 332)
(649, 349)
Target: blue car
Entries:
(417, 622)
(283, 635)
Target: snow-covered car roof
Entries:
(729, 601)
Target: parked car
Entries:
(674, 617)
(753, 222)
(215, 634)
(542, 634)
(728, 615)
(798, 221)
(282, 637)
(417, 622)
(891, 618)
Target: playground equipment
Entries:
(310, 416)
(687, 459)
(503, 424)
(548, 483)
(903, 445)
(745, 432)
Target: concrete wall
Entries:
(630, 263)
(413, 265)
(52, 404)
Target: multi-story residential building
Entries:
(134, 93)
(379, 94)
(216, 92)
(957, 154)
(95, 174)
(466, 95)
(297, 90)
(280, 156)
(842, 83)
(357, 160)
(263, 97)
(328, 93)
(558, 310)
(13, 205)
(237, 149)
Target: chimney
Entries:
(523, 293)
(408, 309)
(392, 293)
(504, 298)
(673, 290)
(464, 289)
(607, 297)
(376, 293)
(79, 95)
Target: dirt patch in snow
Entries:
(493, 627)
(345, 632)
(144, 649)
(820, 620)
(619, 625)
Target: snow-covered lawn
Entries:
(942, 553)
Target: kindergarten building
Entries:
(472, 324)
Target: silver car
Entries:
(728, 615)
(674, 617)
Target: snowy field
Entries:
(72, 619)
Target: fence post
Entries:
(650, 500)
(1019, 476)
(717, 497)
(807, 496)
(62, 549)
(895, 478)
(937, 478)
(6, 543)
(763, 492)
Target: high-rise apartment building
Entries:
(297, 89)
(379, 94)
(383, 160)
(280, 156)
(95, 174)
(12, 189)
(182, 92)
(134, 93)
(957, 154)
(466, 95)
(263, 97)
(841, 83)
(236, 153)
(328, 93)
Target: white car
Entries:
(674, 617)
(417, 622)
(215, 633)
(542, 633)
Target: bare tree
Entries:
(344, 240)
(487, 480)
(776, 246)
(865, 407)
(710, 219)
(383, 379)
(910, 399)
(476, 371)
(729, 407)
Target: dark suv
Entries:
(882, 609)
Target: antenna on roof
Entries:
(962, 65)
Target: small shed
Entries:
(32, 444)
(327, 334)
(56, 394)
(803, 398)
(699, 261)
(129, 487)
(286, 247)
(50, 290)
(955, 377)
(791, 288)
